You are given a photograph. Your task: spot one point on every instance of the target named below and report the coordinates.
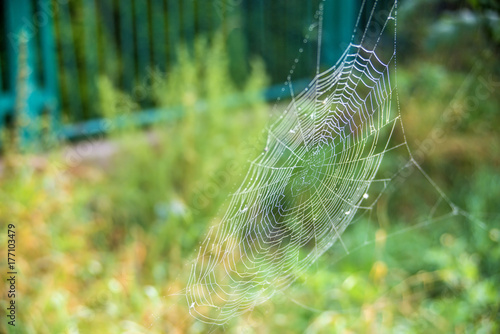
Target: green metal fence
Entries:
(52, 51)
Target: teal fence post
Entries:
(159, 41)
(49, 63)
(188, 20)
(107, 25)
(91, 62)
(5, 101)
(70, 77)
(21, 34)
(173, 13)
(142, 22)
(127, 44)
(339, 18)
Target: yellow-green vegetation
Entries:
(104, 244)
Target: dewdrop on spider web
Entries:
(320, 159)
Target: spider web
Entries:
(318, 170)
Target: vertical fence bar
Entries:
(285, 28)
(216, 10)
(1, 76)
(173, 27)
(188, 21)
(158, 34)
(203, 11)
(127, 43)
(70, 76)
(308, 56)
(49, 63)
(91, 59)
(3, 96)
(4, 100)
(236, 42)
(142, 18)
(262, 26)
(19, 22)
(108, 38)
(21, 33)
(349, 20)
(330, 31)
(339, 20)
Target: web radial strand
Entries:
(323, 153)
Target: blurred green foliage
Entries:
(437, 29)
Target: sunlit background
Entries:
(127, 124)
